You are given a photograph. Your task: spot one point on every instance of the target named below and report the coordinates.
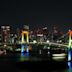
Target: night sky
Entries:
(18, 14)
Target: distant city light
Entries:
(26, 37)
(60, 40)
(59, 55)
(5, 45)
(44, 28)
(3, 27)
(59, 46)
(40, 52)
(8, 27)
(48, 52)
(47, 41)
(57, 41)
(48, 47)
(58, 58)
(39, 34)
(34, 41)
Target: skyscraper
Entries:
(26, 27)
(5, 33)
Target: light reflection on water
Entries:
(70, 67)
(24, 57)
(21, 57)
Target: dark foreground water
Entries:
(28, 63)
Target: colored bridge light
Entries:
(27, 50)
(70, 41)
(69, 64)
(22, 48)
(69, 55)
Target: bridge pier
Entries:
(23, 48)
(69, 55)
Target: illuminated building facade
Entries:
(18, 33)
(5, 32)
(39, 34)
(45, 33)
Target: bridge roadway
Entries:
(39, 43)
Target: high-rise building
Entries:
(39, 35)
(5, 33)
(18, 34)
(56, 33)
(26, 27)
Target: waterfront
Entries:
(25, 62)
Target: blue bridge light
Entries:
(22, 48)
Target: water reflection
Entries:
(70, 67)
(69, 62)
(38, 57)
(69, 55)
(24, 57)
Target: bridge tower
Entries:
(70, 39)
(25, 36)
(69, 45)
(24, 39)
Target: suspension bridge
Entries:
(24, 42)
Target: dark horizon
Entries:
(37, 21)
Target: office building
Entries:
(5, 34)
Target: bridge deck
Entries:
(39, 43)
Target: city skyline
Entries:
(35, 21)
